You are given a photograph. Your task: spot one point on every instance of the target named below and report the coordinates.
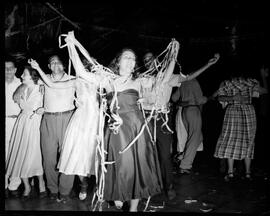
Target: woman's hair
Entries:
(21, 88)
(33, 73)
(87, 64)
(17, 95)
(114, 65)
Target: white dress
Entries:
(77, 156)
(24, 158)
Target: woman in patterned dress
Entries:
(236, 140)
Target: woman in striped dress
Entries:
(236, 140)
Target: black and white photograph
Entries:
(124, 106)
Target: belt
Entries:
(191, 106)
(240, 104)
(58, 113)
(11, 116)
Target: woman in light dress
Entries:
(24, 155)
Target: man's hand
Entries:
(34, 64)
(214, 60)
(264, 72)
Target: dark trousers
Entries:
(164, 140)
(53, 129)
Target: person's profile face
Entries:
(26, 77)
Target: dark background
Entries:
(238, 30)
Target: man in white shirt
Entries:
(12, 111)
(58, 109)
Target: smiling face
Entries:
(127, 63)
(10, 70)
(26, 77)
(56, 65)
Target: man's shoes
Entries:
(42, 194)
(14, 194)
(171, 194)
(6, 193)
(185, 171)
(53, 196)
(63, 199)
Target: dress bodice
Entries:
(244, 87)
(31, 102)
(127, 100)
(85, 92)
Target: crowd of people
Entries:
(116, 124)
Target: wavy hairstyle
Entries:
(114, 64)
(33, 73)
(21, 88)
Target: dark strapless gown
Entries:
(136, 173)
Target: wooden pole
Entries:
(65, 18)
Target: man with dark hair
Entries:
(189, 97)
(58, 109)
(159, 97)
(12, 111)
(164, 139)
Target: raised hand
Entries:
(214, 60)
(70, 37)
(264, 72)
(175, 48)
(34, 64)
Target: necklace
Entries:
(123, 80)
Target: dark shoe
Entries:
(14, 194)
(206, 207)
(171, 194)
(185, 171)
(115, 208)
(6, 193)
(42, 194)
(53, 196)
(229, 177)
(63, 199)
